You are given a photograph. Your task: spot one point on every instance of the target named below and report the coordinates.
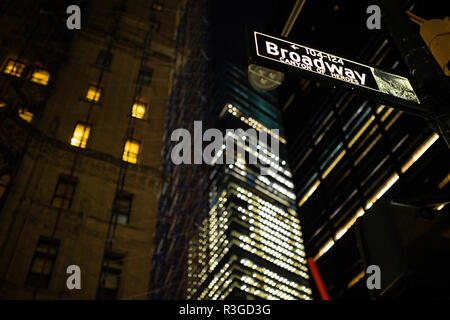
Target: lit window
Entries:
(157, 7)
(444, 182)
(139, 109)
(131, 151)
(80, 135)
(93, 93)
(40, 76)
(14, 68)
(25, 115)
(419, 152)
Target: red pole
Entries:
(318, 279)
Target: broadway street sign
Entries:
(278, 54)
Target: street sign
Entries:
(287, 55)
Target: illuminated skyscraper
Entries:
(249, 245)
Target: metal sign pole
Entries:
(282, 54)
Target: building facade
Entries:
(82, 130)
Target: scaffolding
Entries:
(184, 198)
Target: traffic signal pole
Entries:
(432, 85)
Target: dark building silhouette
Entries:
(348, 154)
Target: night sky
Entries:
(334, 26)
(337, 26)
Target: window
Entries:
(145, 76)
(80, 135)
(64, 191)
(131, 151)
(111, 270)
(93, 94)
(155, 26)
(14, 68)
(4, 183)
(25, 114)
(123, 209)
(157, 6)
(40, 76)
(104, 59)
(139, 109)
(41, 269)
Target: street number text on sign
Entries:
(312, 60)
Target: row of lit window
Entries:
(266, 184)
(16, 68)
(269, 227)
(266, 160)
(217, 282)
(240, 163)
(216, 236)
(252, 122)
(223, 279)
(267, 240)
(81, 134)
(272, 223)
(82, 130)
(380, 192)
(267, 255)
(270, 235)
(203, 276)
(280, 250)
(215, 222)
(280, 178)
(281, 258)
(281, 290)
(218, 251)
(267, 204)
(268, 210)
(299, 246)
(217, 239)
(255, 285)
(364, 127)
(139, 109)
(274, 275)
(270, 214)
(268, 232)
(219, 288)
